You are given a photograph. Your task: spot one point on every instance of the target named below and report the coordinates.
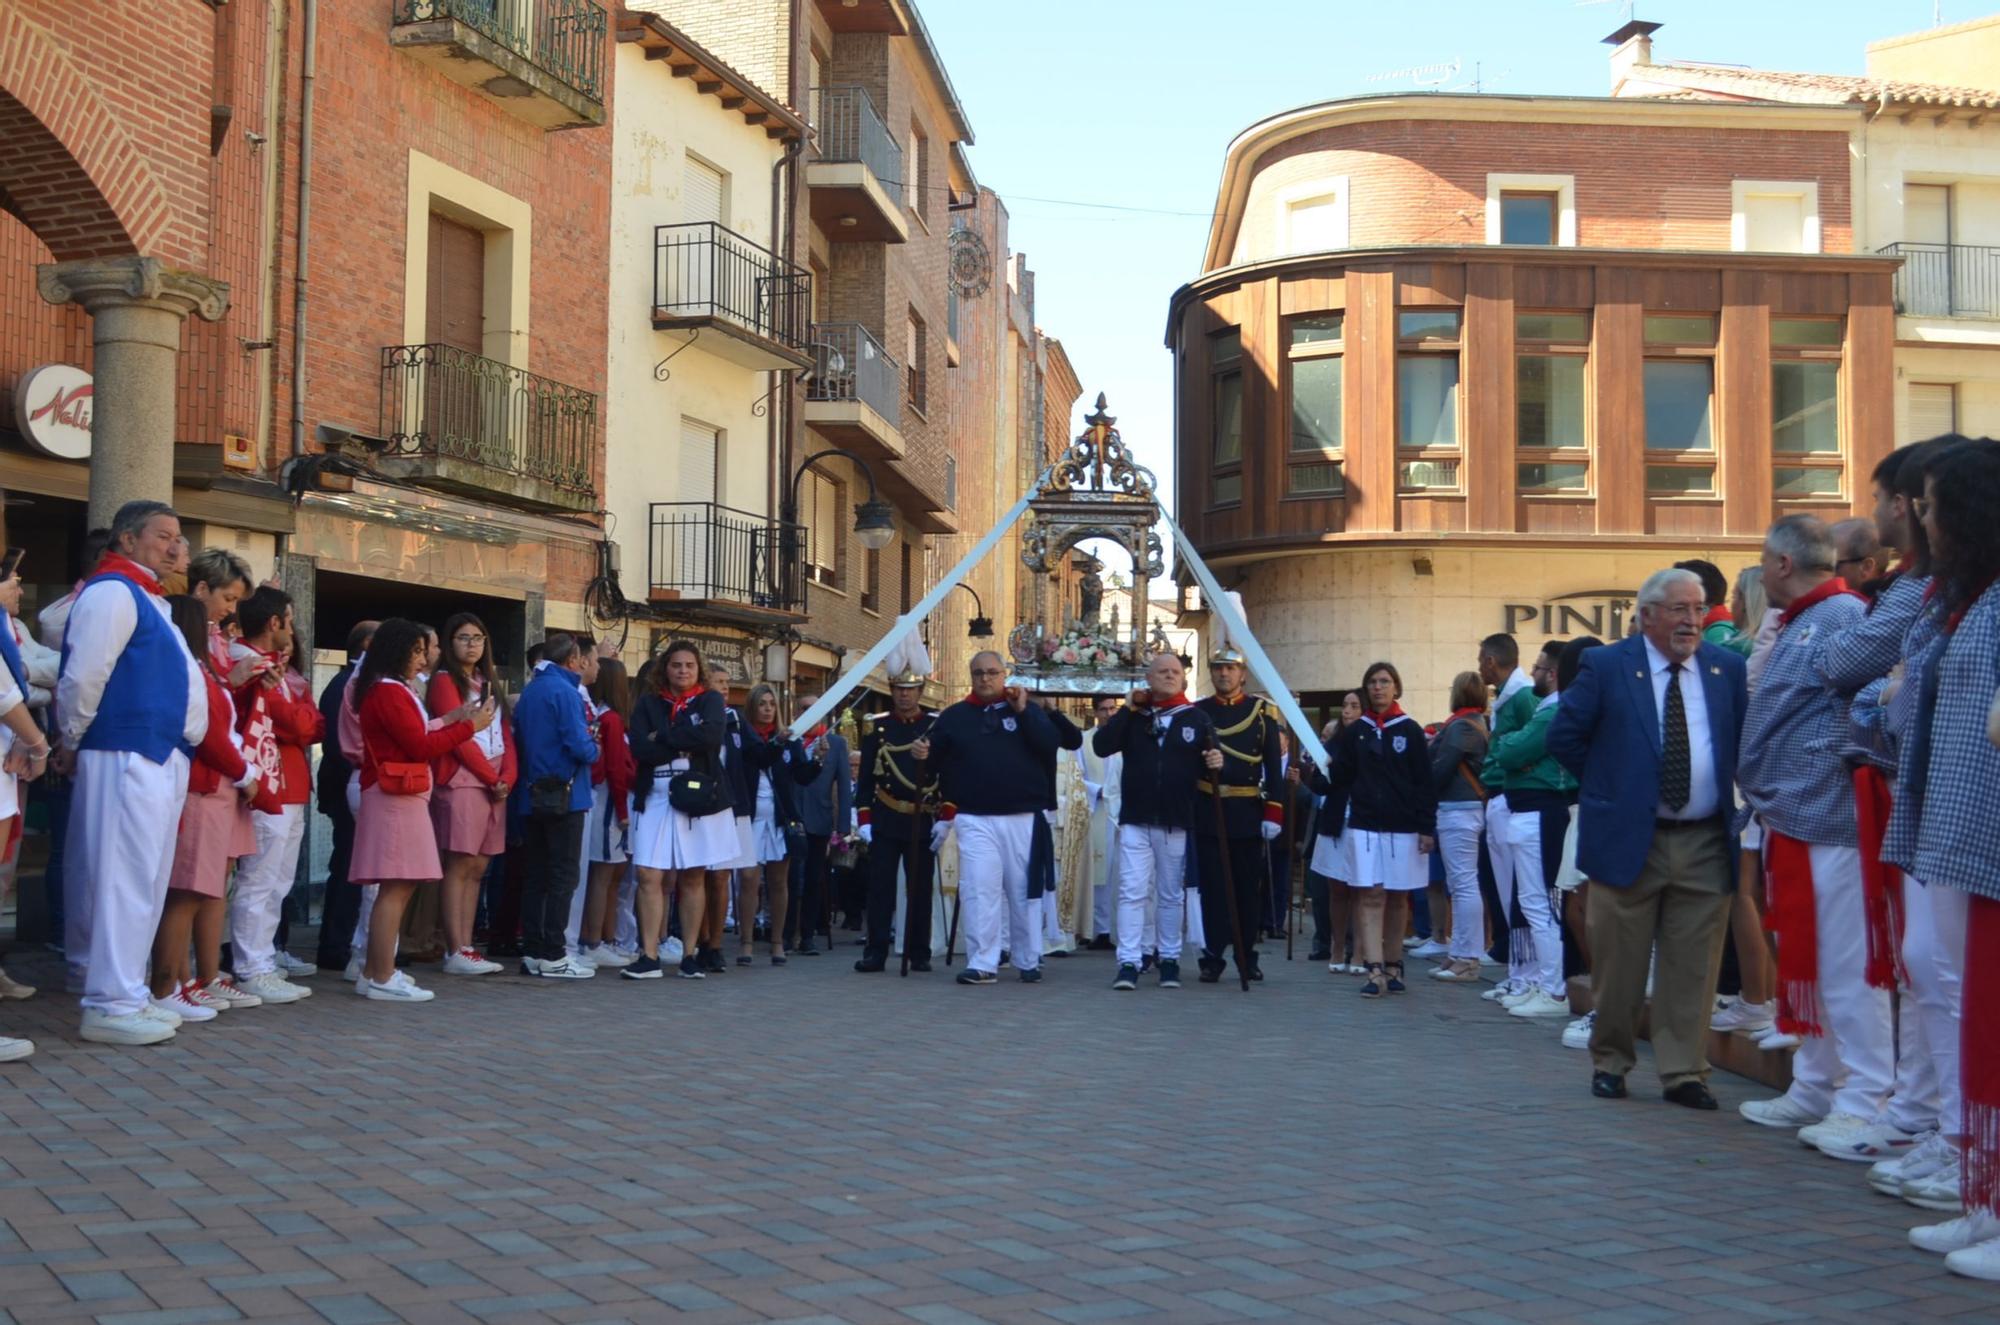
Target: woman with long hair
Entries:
(1329, 855)
(677, 729)
(469, 807)
(1457, 753)
(395, 844)
(778, 766)
(607, 826)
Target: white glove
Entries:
(866, 832)
(1271, 830)
(939, 832)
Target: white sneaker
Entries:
(274, 988)
(1836, 1130)
(671, 952)
(1775, 1040)
(609, 958)
(13, 1051)
(226, 991)
(395, 991)
(1939, 1191)
(469, 961)
(1867, 1143)
(1505, 989)
(1539, 1003)
(1780, 1112)
(1576, 1035)
(1956, 1234)
(1979, 1261)
(1749, 1019)
(1926, 1157)
(353, 971)
(164, 1014)
(183, 1007)
(581, 957)
(562, 968)
(1412, 941)
(1522, 994)
(1429, 948)
(294, 968)
(130, 1028)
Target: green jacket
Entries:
(1525, 758)
(1513, 716)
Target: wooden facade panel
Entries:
(1742, 407)
(1428, 284)
(1534, 516)
(1431, 515)
(1368, 403)
(1867, 382)
(1487, 376)
(1618, 403)
(1686, 290)
(1311, 294)
(1265, 414)
(1684, 519)
(1554, 288)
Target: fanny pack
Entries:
(549, 797)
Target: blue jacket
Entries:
(1607, 732)
(553, 735)
(826, 803)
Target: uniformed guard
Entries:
(896, 802)
(1247, 761)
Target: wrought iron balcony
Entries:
(855, 175)
(542, 59)
(706, 276)
(1946, 280)
(463, 423)
(732, 563)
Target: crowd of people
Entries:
(1768, 811)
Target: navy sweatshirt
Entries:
(1161, 765)
(989, 759)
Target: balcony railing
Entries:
(562, 38)
(1947, 280)
(700, 551)
(442, 403)
(850, 364)
(702, 269)
(848, 129)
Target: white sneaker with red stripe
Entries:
(231, 995)
(181, 1005)
(470, 961)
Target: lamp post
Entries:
(981, 625)
(874, 519)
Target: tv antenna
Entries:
(1423, 75)
(1479, 81)
(1624, 8)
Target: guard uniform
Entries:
(1253, 778)
(897, 801)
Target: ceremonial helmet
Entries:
(1225, 650)
(909, 663)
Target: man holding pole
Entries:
(896, 801)
(1245, 771)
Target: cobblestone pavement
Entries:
(808, 1143)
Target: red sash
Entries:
(1790, 915)
(1881, 886)
(1978, 1065)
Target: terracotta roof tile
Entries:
(1820, 89)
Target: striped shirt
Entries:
(1850, 659)
(1792, 769)
(1957, 842)
(1907, 736)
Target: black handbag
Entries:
(548, 797)
(696, 794)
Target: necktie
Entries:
(1676, 765)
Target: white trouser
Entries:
(628, 920)
(1914, 1104)
(263, 879)
(362, 915)
(1152, 867)
(993, 890)
(123, 820)
(1849, 1068)
(1500, 854)
(1459, 823)
(1938, 994)
(1543, 968)
(1054, 937)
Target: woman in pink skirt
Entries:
(470, 805)
(395, 844)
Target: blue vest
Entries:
(144, 706)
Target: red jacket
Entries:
(300, 727)
(615, 764)
(444, 696)
(395, 730)
(216, 759)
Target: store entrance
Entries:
(340, 600)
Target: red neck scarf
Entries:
(677, 703)
(765, 730)
(117, 564)
(977, 702)
(1718, 615)
(1456, 714)
(1173, 702)
(1382, 723)
(814, 734)
(1832, 588)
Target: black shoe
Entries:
(1319, 956)
(1690, 1095)
(1128, 977)
(745, 959)
(869, 966)
(1059, 952)
(923, 967)
(691, 969)
(970, 977)
(1607, 1086)
(1170, 974)
(807, 951)
(1102, 943)
(1395, 972)
(777, 959)
(1032, 977)
(646, 968)
(1373, 989)
(1257, 970)
(1148, 962)
(1211, 968)
(711, 960)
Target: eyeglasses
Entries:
(1922, 507)
(468, 639)
(1685, 611)
(989, 671)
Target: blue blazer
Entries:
(1607, 732)
(553, 735)
(826, 804)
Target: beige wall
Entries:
(1961, 55)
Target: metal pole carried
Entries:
(1291, 856)
(1228, 875)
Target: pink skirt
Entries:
(469, 821)
(394, 839)
(215, 829)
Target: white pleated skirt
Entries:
(1387, 860)
(665, 839)
(600, 829)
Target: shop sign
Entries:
(1605, 613)
(52, 410)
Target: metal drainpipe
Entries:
(784, 215)
(309, 66)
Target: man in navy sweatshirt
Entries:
(990, 753)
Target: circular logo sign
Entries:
(52, 409)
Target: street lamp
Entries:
(981, 625)
(874, 519)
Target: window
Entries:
(826, 524)
(1225, 381)
(916, 346)
(1679, 384)
(1805, 406)
(1774, 216)
(871, 579)
(1551, 416)
(1312, 217)
(1531, 209)
(909, 576)
(1933, 410)
(917, 173)
(951, 483)
(1313, 362)
(1527, 218)
(1427, 453)
(1924, 285)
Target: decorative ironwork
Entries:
(1946, 280)
(662, 373)
(850, 364)
(969, 267)
(702, 269)
(440, 401)
(704, 552)
(562, 38)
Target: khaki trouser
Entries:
(1679, 903)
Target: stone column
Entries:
(136, 308)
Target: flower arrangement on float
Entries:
(1082, 646)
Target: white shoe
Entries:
(353, 971)
(671, 952)
(130, 1028)
(226, 991)
(164, 1014)
(1539, 1003)
(1956, 1234)
(469, 961)
(581, 957)
(1447, 974)
(1412, 941)
(1775, 1040)
(562, 968)
(1836, 1130)
(1750, 1019)
(1505, 989)
(395, 991)
(609, 958)
(13, 1051)
(1929, 1155)
(12, 988)
(1576, 1035)
(1779, 1112)
(294, 968)
(1979, 1261)
(273, 988)
(184, 1007)
(1521, 994)
(1865, 1143)
(1939, 1191)
(1429, 948)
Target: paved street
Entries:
(810, 1144)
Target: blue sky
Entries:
(1131, 103)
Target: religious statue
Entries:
(1090, 592)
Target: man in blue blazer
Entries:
(557, 744)
(1650, 728)
(826, 808)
